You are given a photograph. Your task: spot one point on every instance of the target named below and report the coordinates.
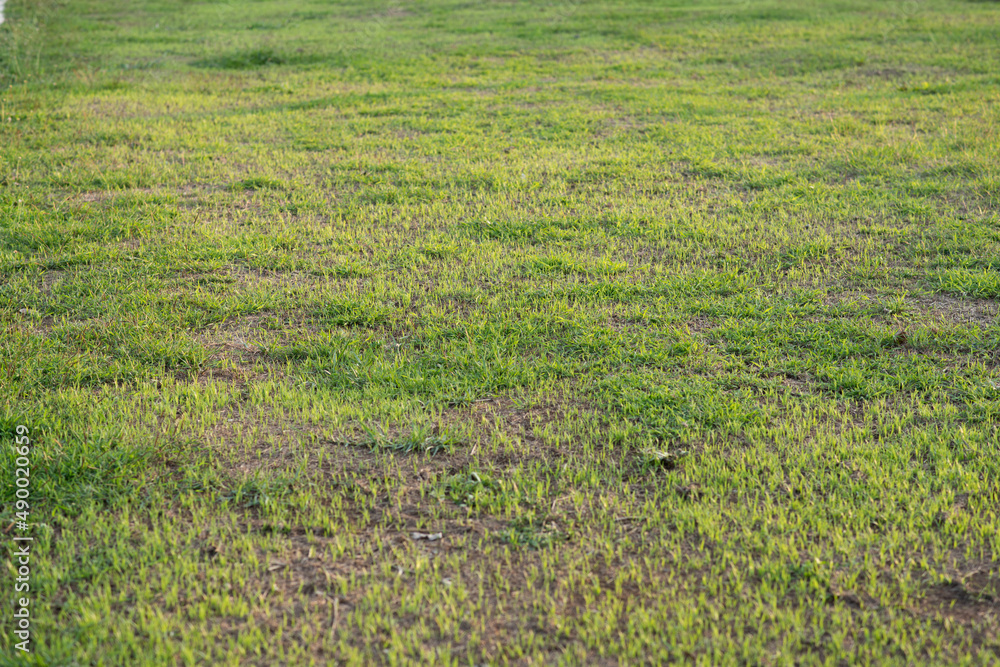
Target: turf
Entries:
(511, 333)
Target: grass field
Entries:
(570, 332)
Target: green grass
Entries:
(677, 321)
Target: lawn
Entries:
(512, 332)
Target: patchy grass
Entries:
(531, 332)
